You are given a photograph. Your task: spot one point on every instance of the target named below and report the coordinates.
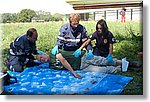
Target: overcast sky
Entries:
(53, 6)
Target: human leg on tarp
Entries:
(67, 65)
(14, 64)
(102, 61)
(73, 61)
(59, 62)
(84, 63)
(97, 64)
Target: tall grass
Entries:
(125, 34)
(48, 31)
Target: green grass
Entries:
(48, 31)
(127, 35)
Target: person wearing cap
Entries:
(21, 51)
(71, 36)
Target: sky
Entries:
(53, 6)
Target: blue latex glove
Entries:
(77, 53)
(90, 55)
(109, 58)
(41, 52)
(55, 50)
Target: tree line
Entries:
(26, 15)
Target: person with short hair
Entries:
(60, 61)
(71, 36)
(21, 51)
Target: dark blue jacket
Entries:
(22, 47)
(71, 39)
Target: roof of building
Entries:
(97, 4)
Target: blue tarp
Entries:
(44, 80)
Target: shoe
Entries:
(125, 65)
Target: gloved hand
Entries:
(41, 52)
(109, 58)
(90, 55)
(77, 53)
(55, 50)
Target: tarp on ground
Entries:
(46, 81)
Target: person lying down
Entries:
(97, 64)
(59, 60)
(100, 64)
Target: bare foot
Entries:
(77, 76)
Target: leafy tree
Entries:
(26, 15)
(8, 17)
(14, 17)
(48, 17)
(45, 17)
(56, 17)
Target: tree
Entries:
(8, 17)
(14, 17)
(56, 17)
(26, 15)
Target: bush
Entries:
(127, 49)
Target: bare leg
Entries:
(118, 62)
(67, 65)
(119, 70)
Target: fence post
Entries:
(105, 15)
(94, 16)
(117, 15)
(131, 13)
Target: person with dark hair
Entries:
(62, 61)
(21, 50)
(123, 13)
(104, 40)
(104, 46)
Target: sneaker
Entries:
(125, 65)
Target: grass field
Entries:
(127, 36)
